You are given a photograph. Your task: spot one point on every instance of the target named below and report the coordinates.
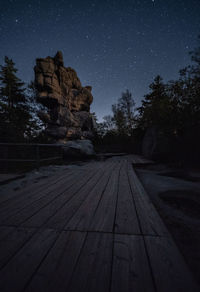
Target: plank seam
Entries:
(18, 210)
(16, 252)
(74, 196)
(39, 265)
(113, 234)
(100, 200)
(78, 258)
(146, 251)
(60, 194)
(42, 185)
(110, 168)
(79, 230)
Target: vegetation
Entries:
(18, 118)
(116, 130)
(172, 109)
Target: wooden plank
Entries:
(21, 209)
(61, 218)
(103, 219)
(131, 271)
(19, 216)
(126, 219)
(33, 188)
(13, 242)
(169, 269)
(150, 221)
(81, 220)
(15, 275)
(54, 214)
(56, 270)
(31, 193)
(4, 231)
(93, 269)
(37, 188)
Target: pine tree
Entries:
(17, 124)
(12, 88)
(156, 106)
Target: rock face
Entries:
(68, 103)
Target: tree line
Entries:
(172, 109)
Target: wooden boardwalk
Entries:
(93, 229)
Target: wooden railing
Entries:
(33, 154)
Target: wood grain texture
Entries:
(94, 229)
(13, 242)
(126, 220)
(56, 270)
(150, 221)
(65, 213)
(93, 269)
(131, 270)
(82, 219)
(169, 269)
(103, 219)
(26, 211)
(18, 271)
(49, 210)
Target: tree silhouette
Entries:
(156, 107)
(17, 124)
(123, 113)
(12, 88)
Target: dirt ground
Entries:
(176, 196)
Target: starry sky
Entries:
(113, 45)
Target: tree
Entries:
(12, 88)
(123, 113)
(127, 105)
(17, 121)
(156, 106)
(119, 119)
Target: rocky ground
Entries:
(175, 193)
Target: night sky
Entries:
(113, 45)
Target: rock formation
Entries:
(68, 103)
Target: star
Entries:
(16, 20)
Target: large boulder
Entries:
(68, 102)
(156, 145)
(78, 148)
(149, 143)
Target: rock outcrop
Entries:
(60, 90)
(78, 148)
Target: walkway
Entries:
(92, 229)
